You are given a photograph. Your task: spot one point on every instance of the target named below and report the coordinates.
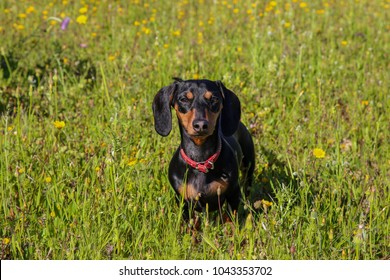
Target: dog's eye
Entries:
(214, 100)
(184, 100)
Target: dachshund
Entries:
(215, 145)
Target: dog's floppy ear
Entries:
(162, 110)
(231, 111)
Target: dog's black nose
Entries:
(200, 125)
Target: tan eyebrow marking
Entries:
(190, 95)
(208, 95)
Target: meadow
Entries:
(83, 174)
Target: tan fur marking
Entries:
(199, 140)
(212, 118)
(186, 119)
(190, 95)
(208, 95)
(188, 192)
(215, 185)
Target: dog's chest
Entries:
(198, 185)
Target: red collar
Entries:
(206, 165)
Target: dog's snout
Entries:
(200, 125)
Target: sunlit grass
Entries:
(83, 174)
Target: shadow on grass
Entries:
(273, 178)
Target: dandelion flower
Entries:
(82, 19)
(59, 124)
(48, 180)
(319, 153)
(83, 10)
(132, 162)
(344, 43)
(19, 26)
(30, 10)
(6, 240)
(266, 203)
(176, 33)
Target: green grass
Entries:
(309, 75)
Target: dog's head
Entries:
(200, 106)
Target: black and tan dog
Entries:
(215, 145)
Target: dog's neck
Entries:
(199, 150)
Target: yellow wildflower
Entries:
(52, 214)
(59, 124)
(303, 5)
(22, 15)
(200, 38)
(176, 33)
(344, 43)
(146, 30)
(262, 204)
(30, 10)
(266, 203)
(83, 10)
(82, 19)
(48, 179)
(6, 240)
(18, 26)
(319, 153)
(365, 102)
(132, 162)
